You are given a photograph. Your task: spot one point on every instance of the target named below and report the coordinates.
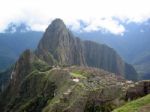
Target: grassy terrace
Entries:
(77, 75)
(135, 106)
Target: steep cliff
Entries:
(58, 46)
(25, 82)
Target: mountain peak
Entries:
(56, 25)
(57, 21)
(55, 33)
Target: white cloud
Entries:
(108, 24)
(39, 13)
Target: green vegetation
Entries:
(77, 75)
(41, 65)
(51, 59)
(134, 106)
(35, 104)
(35, 91)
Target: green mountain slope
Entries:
(36, 87)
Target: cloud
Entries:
(108, 24)
(97, 14)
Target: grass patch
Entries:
(77, 75)
(41, 65)
(133, 106)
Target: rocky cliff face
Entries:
(21, 69)
(59, 46)
(26, 82)
(101, 56)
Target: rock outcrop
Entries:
(58, 46)
(21, 69)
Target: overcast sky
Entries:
(96, 14)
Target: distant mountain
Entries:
(13, 44)
(133, 46)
